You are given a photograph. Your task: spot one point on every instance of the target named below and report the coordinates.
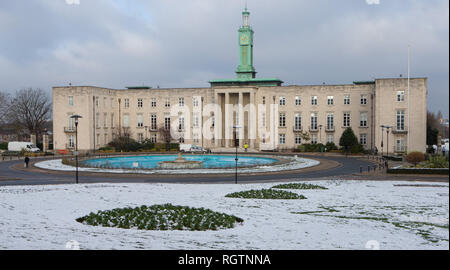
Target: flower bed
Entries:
(161, 217)
(266, 194)
(298, 186)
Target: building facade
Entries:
(257, 111)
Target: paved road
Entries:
(11, 176)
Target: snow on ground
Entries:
(348, 215)
(295, 163)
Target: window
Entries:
(298, 121)
(112, 120)
(112, 103)
(104, 102)
(97, 116)
(314, 139)
(401, 120)
(153, 102)
(330, 121)
(96, 101)
(314, 121)
(181, 140)
(330, 100)
(140, 137)
(127, 103)
(153, 122)
(195, 101)
(98, 139)
(140, 122)
(196, 121)
(346, 99)
(126, 120)
(213, 120)
(363, 119)
(195, 137)
(167, 103)
(181, 101)
(282, 120)
(139, 102)
(330, 138)
(105, 137)
(71, 141)
(153, 138)
(298, 101)
(167, 122)
(282, 138)
(298, 139)
(363, 139)
(400, 145)
(263, 119)
(363, 99)
(400, 96)
(346, 119)
(181, 122)
(70, 100)
(263, 100)
(105, 117)
(314, 100)
(282, 101)
(71, 123)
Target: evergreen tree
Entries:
(348, 139)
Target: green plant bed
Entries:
(161, 217)
(298, 186)
(266, 194)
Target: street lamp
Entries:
(76, 117)
(236, 144)
(320, 133)
(382, 136)
(387, 144)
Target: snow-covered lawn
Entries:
(294, 163)
(349, 215)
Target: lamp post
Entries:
(387, 144)
(76, 117)
(382, 136)
(236, 159)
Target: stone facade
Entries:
(366, 106)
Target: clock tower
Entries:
(245, 69)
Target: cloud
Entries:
(187, 43)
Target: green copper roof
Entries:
(247, 82)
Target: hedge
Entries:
(418, 171)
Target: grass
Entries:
(161, 217)
(298, 186)
(266, 194)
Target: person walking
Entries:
(27, 160)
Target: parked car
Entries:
(192, 148)
(26, 146)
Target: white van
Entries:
(26, 146)
(191, 148)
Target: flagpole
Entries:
(409, 99)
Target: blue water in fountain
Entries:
(151, 162)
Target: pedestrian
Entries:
(245, 147)
(27, 160)
(376, 151)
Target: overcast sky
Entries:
(186, 43)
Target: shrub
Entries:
(331, 146)
(415, 158)
(437, 161)
(298, 186)
(161, 217)
(4, 146)
(266, 194)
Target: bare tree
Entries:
(4, 104)
(30, 109)
(165, 135)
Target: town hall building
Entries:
(260, 112)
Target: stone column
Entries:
(217, 122)
(228, 120)
(33, 139)
(241, 120)
(252, 120)
(45, 143)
